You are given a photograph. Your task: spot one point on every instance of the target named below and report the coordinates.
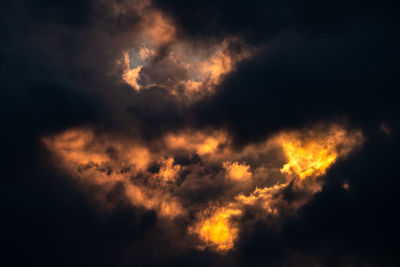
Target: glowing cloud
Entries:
(218, 231)
(311, 155)
(202, 143)
(266, 197)
(131, 76)
(89, 159)
(168, 172)
(154, 180)
(236, 171)
(198, 68)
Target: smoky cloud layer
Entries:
(206, 133)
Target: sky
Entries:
(199, 133)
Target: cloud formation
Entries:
(153, 177)
(205, 133)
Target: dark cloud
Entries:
(260, 21)
(299, 79)
(314, 61)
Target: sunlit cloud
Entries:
(236, 171)
(153, 179)
(185, 68)
(202, 143)
(312, 154)
(217, 231)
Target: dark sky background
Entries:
(314, 61)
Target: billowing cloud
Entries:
(153, 178)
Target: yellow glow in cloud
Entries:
(307, 159)
(218, 231)
(308, 153)
(106, 161)
(311, 155)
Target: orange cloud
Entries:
(202, 143)
(217, 230)
(236, 171)
(130, 75)
(168, 172)
(311, 155)
(87, 158)
(151, 178)
(201, 68)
